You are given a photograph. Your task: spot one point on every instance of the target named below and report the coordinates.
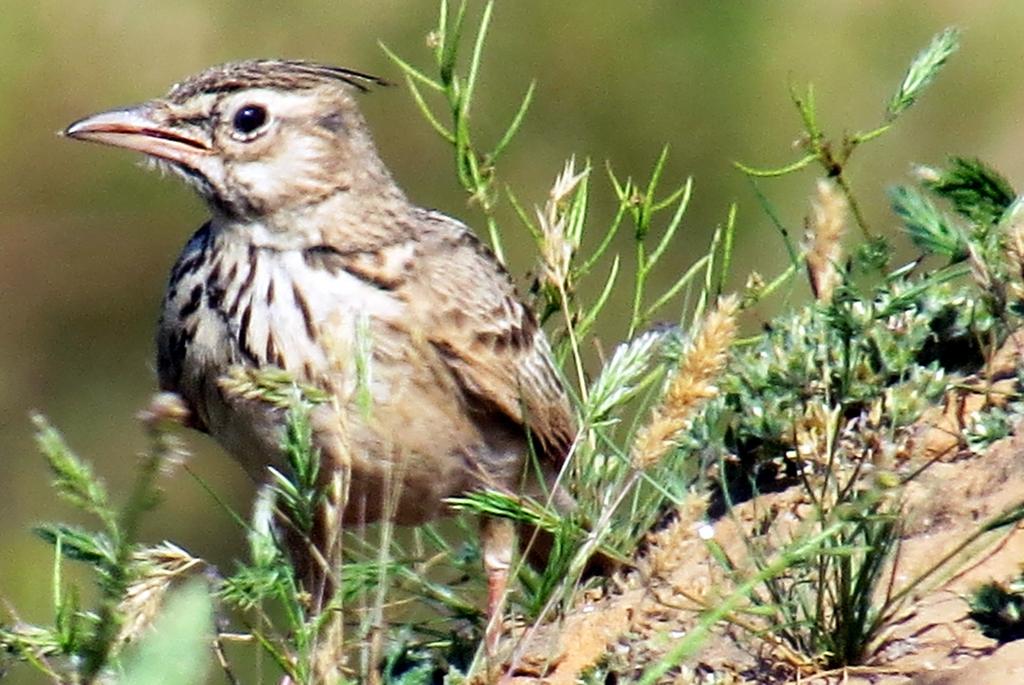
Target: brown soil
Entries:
(931, 642)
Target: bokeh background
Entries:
(87, 238)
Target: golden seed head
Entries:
(691, 384)
(826, 225)
(159, 568)
(558, 246)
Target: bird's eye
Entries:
(249, 119)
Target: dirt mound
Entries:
(931, 641)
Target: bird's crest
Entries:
(266, 73)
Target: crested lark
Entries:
(312, 244)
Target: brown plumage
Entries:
(311, 249)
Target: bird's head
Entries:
(254, 137)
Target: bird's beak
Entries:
(138, 128)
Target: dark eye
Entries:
(249, 118)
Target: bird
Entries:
(313, 252)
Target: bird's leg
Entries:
(497, 541)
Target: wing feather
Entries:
(489, 338)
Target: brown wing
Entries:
(460, 302)
(491, 341)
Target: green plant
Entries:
(826, 398)
(617, 500)
(133, 579)
(823, 399)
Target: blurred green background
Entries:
(87, 238)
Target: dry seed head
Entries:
(691, 384)
(926, 174)
(159, 568)
(825, 227)
(1013, 242)
(269, 384)
(674, 545)
(981, 273)
(165, 407)
(557, 246)
(753, 288)
(813, 431)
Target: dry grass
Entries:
(162, 567)
(690, 386)
(558, 245)
(1013, 242)
(826, 225)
